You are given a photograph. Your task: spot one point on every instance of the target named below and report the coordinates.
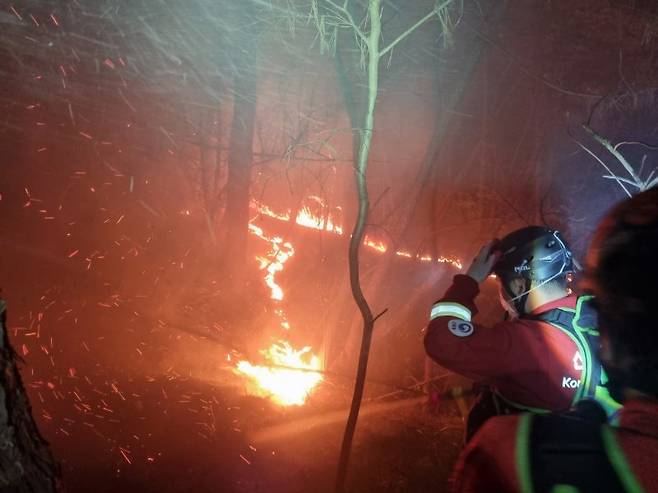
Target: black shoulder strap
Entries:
(565, 320)
(556, 316)
(570, 451)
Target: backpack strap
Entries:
(586, 340)
(559, 316)
(581, 325)
(562, 319)
(564, 453)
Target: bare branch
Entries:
(651, 184)
(435, 12)
(349, 19)
(639, 143)
(606, 143)
(408, 32)
(379, 314)
(584, 148)
(619, 178)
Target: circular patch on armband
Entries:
(460, 328)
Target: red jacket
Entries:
(490, 461)
(529, 362)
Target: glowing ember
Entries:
(290, 379)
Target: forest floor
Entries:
(182, 435)
(133, 399)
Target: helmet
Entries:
(622, 273)
(535, 254)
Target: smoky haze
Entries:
(140, 140)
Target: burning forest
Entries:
(225, 224)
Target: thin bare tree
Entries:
(330, 18)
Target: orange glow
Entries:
(289, 375)
(290, 379)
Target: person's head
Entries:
(622, 274)
(534, 266)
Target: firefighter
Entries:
(543, 356)
(564, 453)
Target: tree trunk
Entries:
(26, 464)
(357, 239)
(240, 156)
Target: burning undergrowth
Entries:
(289, 375)
(286, 372)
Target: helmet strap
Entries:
(519, 303)
(516, 302)
(521, 299)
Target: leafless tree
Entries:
(331, 18)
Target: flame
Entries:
(452, 261)
(273, 263)
(375, 245)
(306, 218)
(293, 374)
(290, 380)
(291, 377)
(266, 211)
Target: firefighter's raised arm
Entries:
(483, 263)
(454, 339)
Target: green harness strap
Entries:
(522, 453)
(604, 469)
(580, 328)
(585, 326)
